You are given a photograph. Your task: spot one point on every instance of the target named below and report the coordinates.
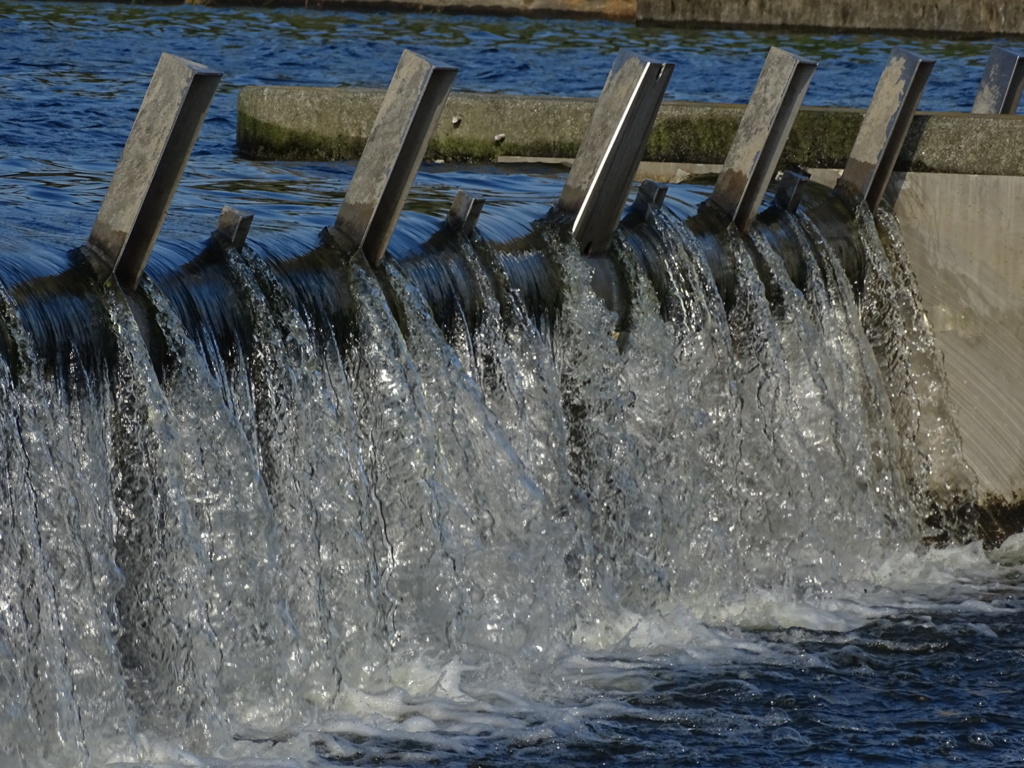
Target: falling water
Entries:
(224, 544)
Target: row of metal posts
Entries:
(598, 184)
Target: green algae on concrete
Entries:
(305, 123)
(301, 123)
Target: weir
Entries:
(247, 488)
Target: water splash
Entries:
(236, 538)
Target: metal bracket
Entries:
(392, 156)
(234, 225)
(885, 125)
(1000, 88)
(463, 214)
(649, 198)
(151, 164)
(598, 184)
(762, 135)
(789, 189)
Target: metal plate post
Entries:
(1000, 88)
(463, 214)
(762, 135)
(150, 167)
(885, 125)
(612, 147)
(789, 189)
(234, 225)
(393, 153)
(649, 198)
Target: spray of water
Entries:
(219, 546)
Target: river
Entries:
(419, 552)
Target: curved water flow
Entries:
(277, 508)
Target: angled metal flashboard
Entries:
(762, 135)
(598, 184)
(1000, 88)
(150, 167)
(393, 153)
(885, 125)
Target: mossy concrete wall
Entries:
(306, 123)
(958, 194)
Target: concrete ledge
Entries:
(306, 123)
(961, 18)
(620, 10)
(977, 18)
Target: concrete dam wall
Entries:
(980, 18)
(957, 185)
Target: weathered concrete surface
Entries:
(306, 123)
(960, 17)
(624, 10)
(956, 17)
(963, 235)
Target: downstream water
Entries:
(501, 546)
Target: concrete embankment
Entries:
(963, 18)
(976, 18)
(958, 193)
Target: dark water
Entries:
(748, 584)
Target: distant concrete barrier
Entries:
(976, 17)
(980, 18)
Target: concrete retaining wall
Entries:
(973, 18)
(961, 17)
(964, 236)
(619, 10)
(959, 197)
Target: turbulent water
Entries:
(503, 544)
(694, 536)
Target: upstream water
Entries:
(698, 544)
